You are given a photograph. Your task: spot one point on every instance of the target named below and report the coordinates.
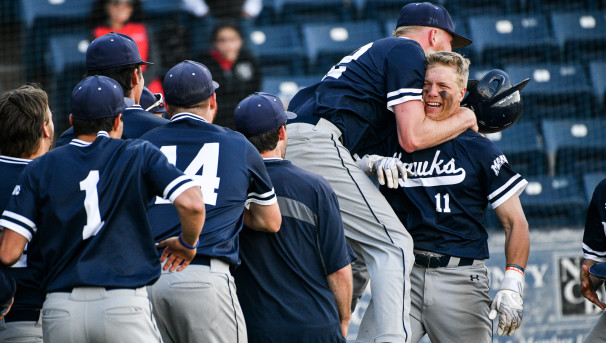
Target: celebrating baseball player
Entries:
(308, 254)
(200, 304)
(443, 205)
(86, 205)
(116, 55)
(369, 99)
(26, 132)
(594, 251)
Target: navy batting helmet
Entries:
(496, 103)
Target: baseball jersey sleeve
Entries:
(260, 190)
(166, 180)
(20, 214)
(594, 237)
(332, 246)
(499, 180)
(405, 74)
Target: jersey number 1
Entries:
(91, 205)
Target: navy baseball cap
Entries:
(260, 113)
(112, 50)
(152, 102)
(188, 83)
(428, 14)
(7, 288)
(97, 97)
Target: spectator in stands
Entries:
(233, 68)
(126, 16)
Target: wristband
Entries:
(515, 267)
(188, 246)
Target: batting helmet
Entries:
(496, 103)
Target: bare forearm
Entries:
(263, 218)
(192, 214)
(11, 247)
(517, 245)
(341, 285)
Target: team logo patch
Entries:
(17, 190)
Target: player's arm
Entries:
(508, 301)
(192, 212)
(594, 244)
(341, 285)
(266, 218)
(12, 245)
(417, 132)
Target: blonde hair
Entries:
(449, 59)
(403, 30)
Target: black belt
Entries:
(22, 316)
(201, 260)
(427, 261)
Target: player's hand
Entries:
(589, 286)
(177, 256)
(508, 305)
(344, 328)
(388, 169)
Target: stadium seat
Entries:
(286, 88)
(44, 18)
(522, 146)
(546, 6)
(577, 146)
(326, 44)
(380, 9)
(162, 10)
(389, 26)
(597, 71)
(590, 181)
(551, 202)
(461, 28)
(507, 39)
(66, 62)
(468, 8)
(278, 48)
(581, 35)
(555, 91)
(312, 11)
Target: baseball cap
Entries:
(152, 102)
(7, 288)
(97, 97)
(188, 83)
(260, 113)
(428, 14)
(112, 50)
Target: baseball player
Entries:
(8, 288)
(86, 204)
(363, 103)
(594, 251)
(442, 206)
(26, 132)
(116, 55)
(200, 304)
(309, 253)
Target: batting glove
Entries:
(508, 303)
(388, 169)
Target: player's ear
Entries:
(213, 102)
(117, 122)
(282, 134)
(70, 120)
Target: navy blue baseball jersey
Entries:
(29, 298)
(359, 93)
(231, 173)
(443, 205)
(137, 121)
(281, 282)
(87, 205)
(594, 237)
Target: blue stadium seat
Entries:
(287, 87)
(522, 147)
(468, 8)
(312, 11)
(326, 44)
(581, 35)
(578, 146)
(278, 49)
(461, 28)
(44, 18)
(597, 71)
(163, 9)
(551, 202)
(66, 62)
(380, 9)
(389, 26)
(546, 6)
(590, 181)
(268, 13)
(555, 91)
(507, 39)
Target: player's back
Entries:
(89, 201)
(229, 170)
(358, 94)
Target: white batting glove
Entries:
(388, 169)
(508, 303)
